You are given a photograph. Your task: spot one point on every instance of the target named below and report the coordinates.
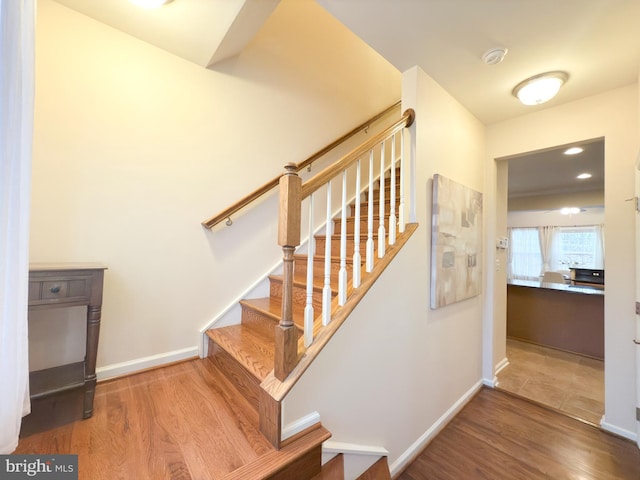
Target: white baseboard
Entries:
(299, 425)
(621, 432)
(490, 382)
(139, 364)
(407, 457)
(502, 364)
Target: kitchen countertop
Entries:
(580, 289)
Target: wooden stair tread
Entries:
(247, 346)
(269, 465)
(272, 308)
(301, 280)
(318, 281)
(319, 257)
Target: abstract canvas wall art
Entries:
(456, 242)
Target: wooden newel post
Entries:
(286, 337)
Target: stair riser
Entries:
(364, 208)
(335, 245)
(242, 380)
(258, 321)
(299, 295)
(364, 225)
(300, 268)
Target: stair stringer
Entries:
(275, 390)
(304, 396)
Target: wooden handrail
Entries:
(328, 173)
(292, 193)
(267, 187)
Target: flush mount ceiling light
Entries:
(150, 3)
(540, 88)
(573, 151)
(569, 210)
(583, 176)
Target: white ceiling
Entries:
(551, 172)
(597, 42)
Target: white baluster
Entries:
(369, 259)
(356, 233)
(381, 229)
(401, 221)
(342, 274)
(392, 194)
(411, 166)
(308, 309)
(326, 291)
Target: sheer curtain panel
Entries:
(17, 20)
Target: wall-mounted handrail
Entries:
(267, 187)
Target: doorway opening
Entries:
(555, 319)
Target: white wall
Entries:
(614, 116)
(396, 367)
(134, 147)
(538, 218)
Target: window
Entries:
(565, 248)
(577, 247)
(525, 260)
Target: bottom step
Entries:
(300, 458)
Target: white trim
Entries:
(353, 448)
(202, 347)
(621, 432)
(300, 425)
(132, 366)
(407, 457)
(490, 382)
(502, 364)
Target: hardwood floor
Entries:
(570, 383)
(501, 437)
(180, 423)
(174, 423)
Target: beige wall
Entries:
(557, 201)
(413, 364)
(614, 116)
(134, 147)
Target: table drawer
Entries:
(60, 290)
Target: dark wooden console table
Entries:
(68, 285)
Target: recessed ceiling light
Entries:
(583, 176)
(540, 88)
(573, 150)
(150, 3)
(569, 210)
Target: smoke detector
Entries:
(493, 56)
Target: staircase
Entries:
(244, 353)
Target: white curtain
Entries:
(599, 257)
(546, 238)
(525, 260)
(17, 23)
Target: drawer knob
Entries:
(55, 289)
